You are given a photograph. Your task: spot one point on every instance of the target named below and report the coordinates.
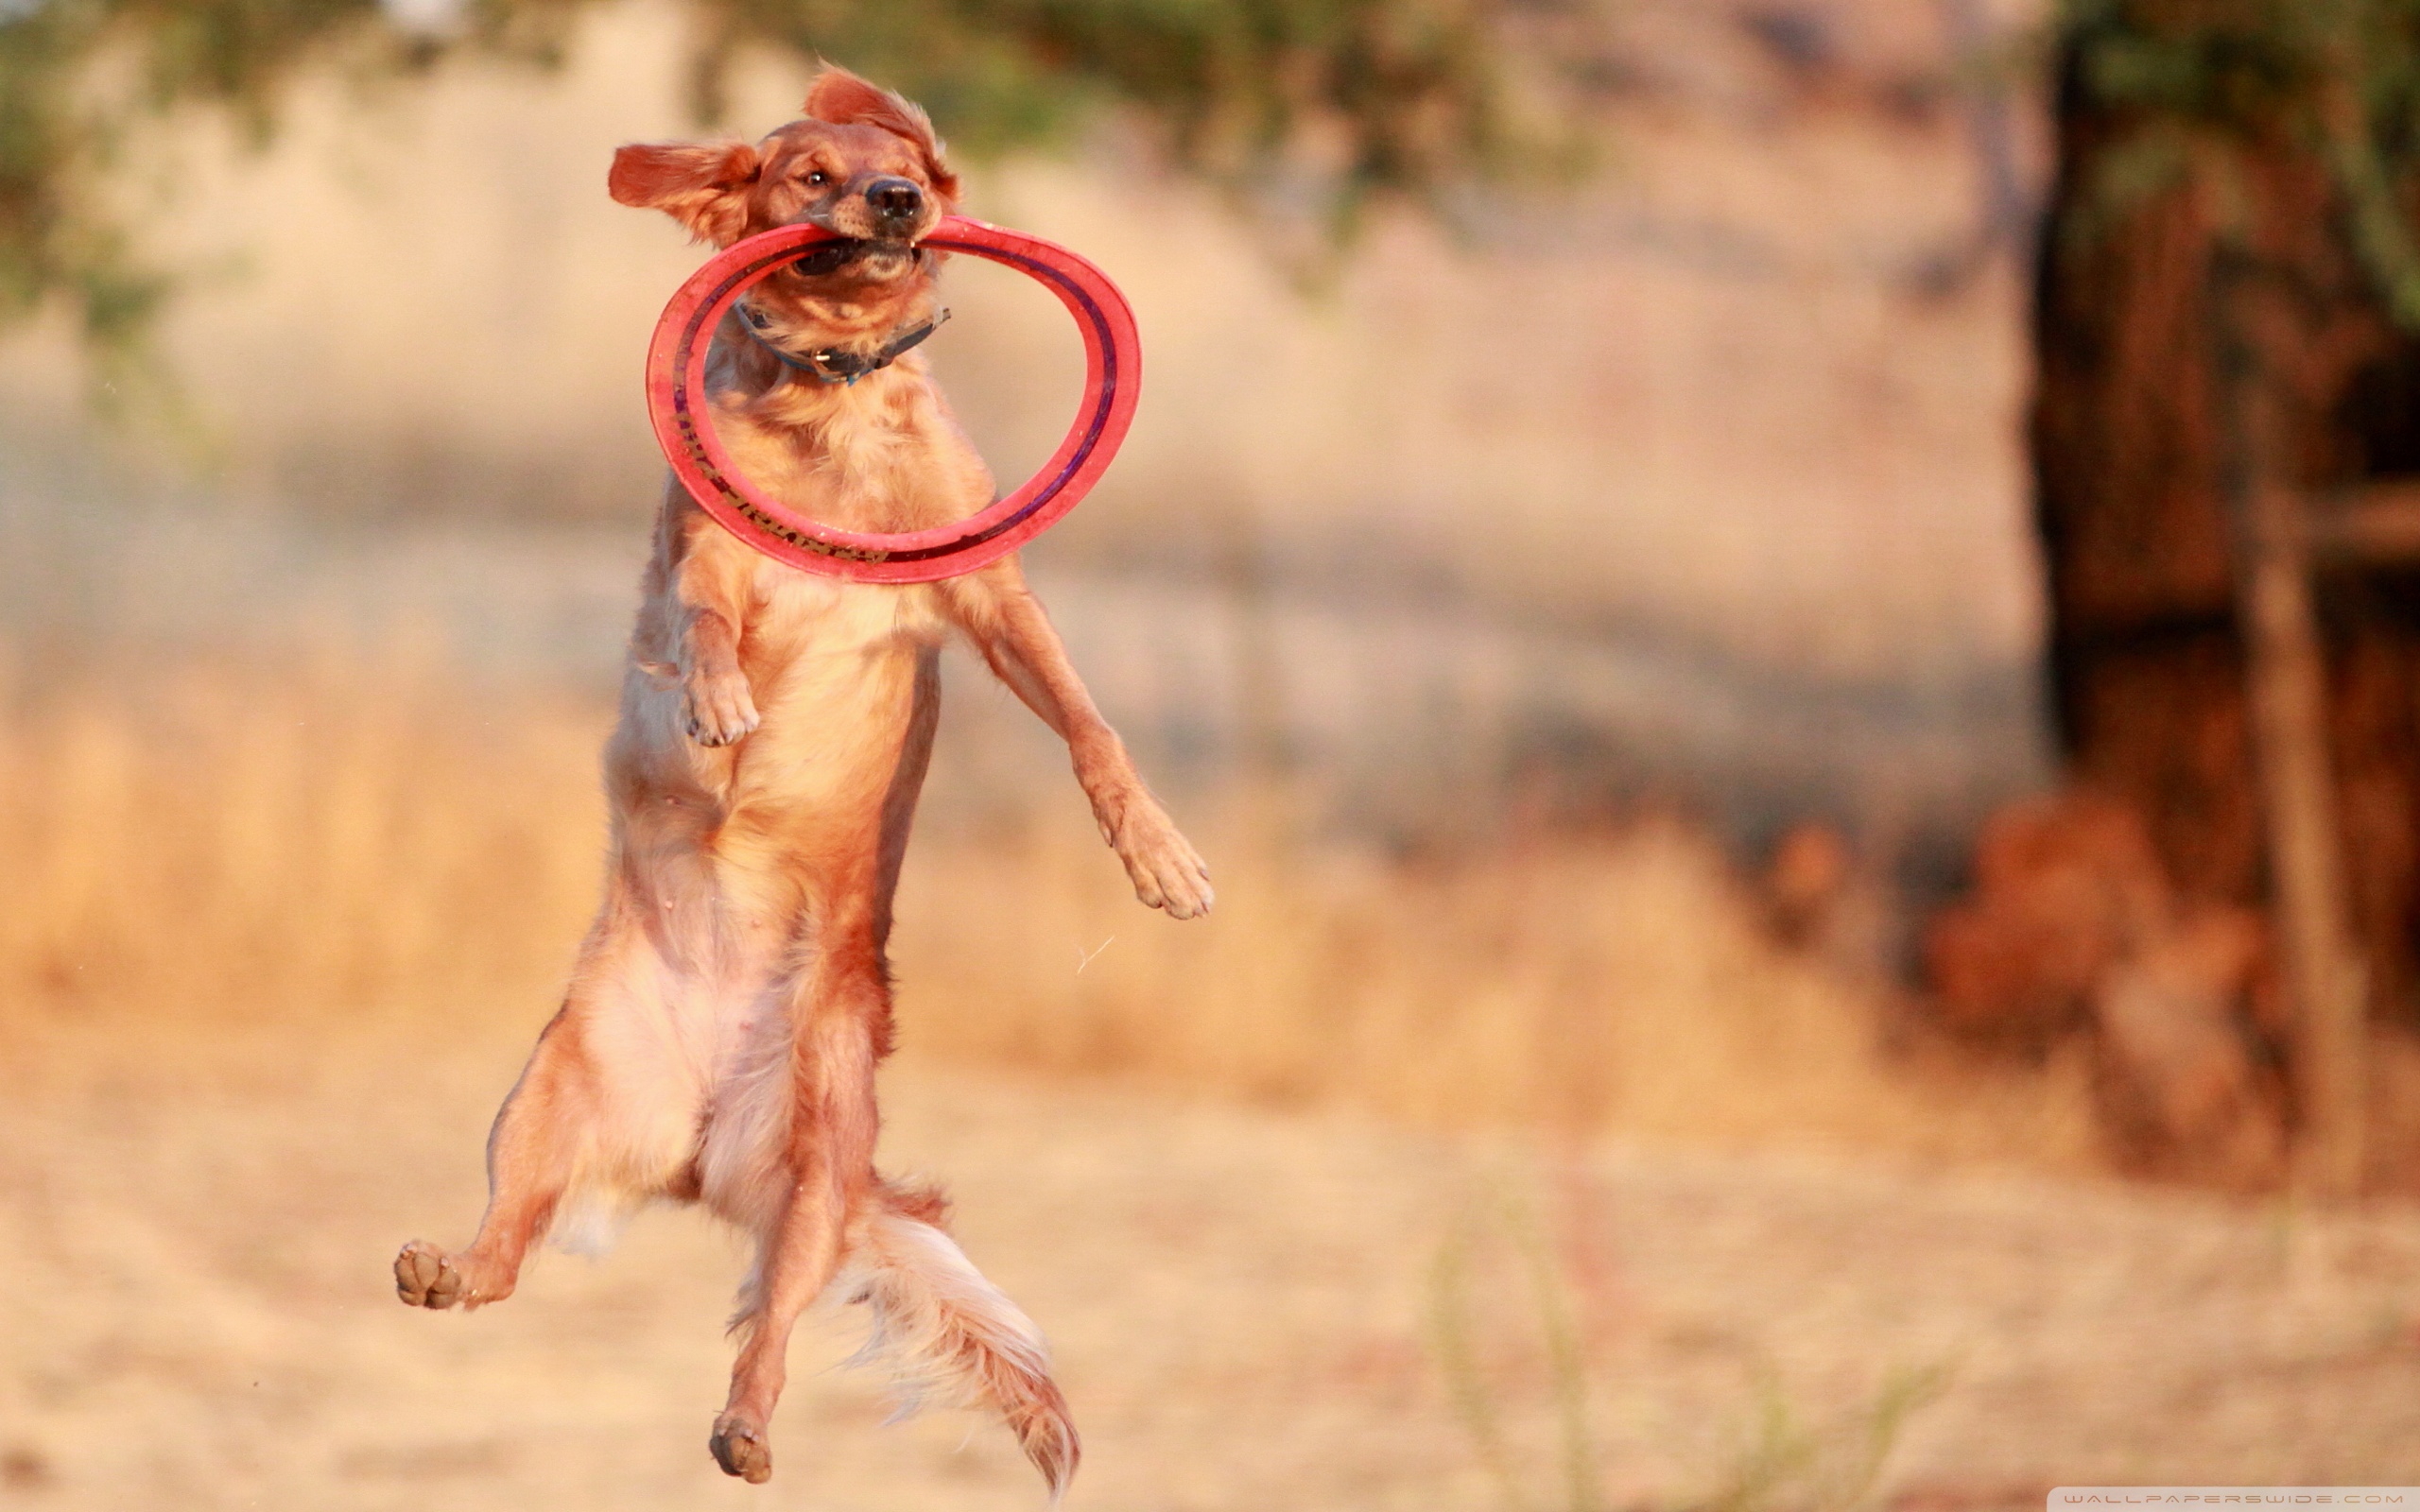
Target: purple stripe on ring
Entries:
(684, 351)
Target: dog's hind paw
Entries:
(740, 1449)
(425, 1277)
(721, 710)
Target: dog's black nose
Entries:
(895, 198)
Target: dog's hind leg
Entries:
(842, 1029)
(549, 1134)
(532, 1151)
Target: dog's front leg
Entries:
(721, 708)
(711, 590)
(1000, 616)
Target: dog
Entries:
(719, 1040)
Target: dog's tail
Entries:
(949, 1336)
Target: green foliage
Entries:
(73, 74)
(1779, 1460)
(1408, 84)
(2194, 86)
(1307, 109)
(1784, 1462)
(1474, 1398)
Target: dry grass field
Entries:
(222, 845)
(198, 1223)
(274, 946)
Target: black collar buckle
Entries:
(837, 365)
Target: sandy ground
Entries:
(196, 1230)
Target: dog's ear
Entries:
(703, 185)
(839, 97)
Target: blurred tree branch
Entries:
(1306, 111)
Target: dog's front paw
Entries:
(739, 1445)
(1166, 870)
(721, 709)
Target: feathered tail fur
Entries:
(947, 1335)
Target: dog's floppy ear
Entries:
(839, 97)
(703, 185)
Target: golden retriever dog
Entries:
(719, 1040)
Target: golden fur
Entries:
(719, 1040)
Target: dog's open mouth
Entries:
(850, 253)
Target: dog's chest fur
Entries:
(882, 454)
(831, 664)
(805, 629)
(881, 460)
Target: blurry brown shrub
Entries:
(1810, 868)
(2065, 887)
(2075, 928)
(2177, 1025)
(1825, 901)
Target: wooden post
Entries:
(2325, 977)
(2286, 671)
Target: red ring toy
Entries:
(676, 403)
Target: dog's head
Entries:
(862, 163)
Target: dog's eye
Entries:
(818, 179)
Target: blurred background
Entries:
(1792, 627)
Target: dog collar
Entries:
(837, 365)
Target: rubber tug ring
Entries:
(677, 407)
